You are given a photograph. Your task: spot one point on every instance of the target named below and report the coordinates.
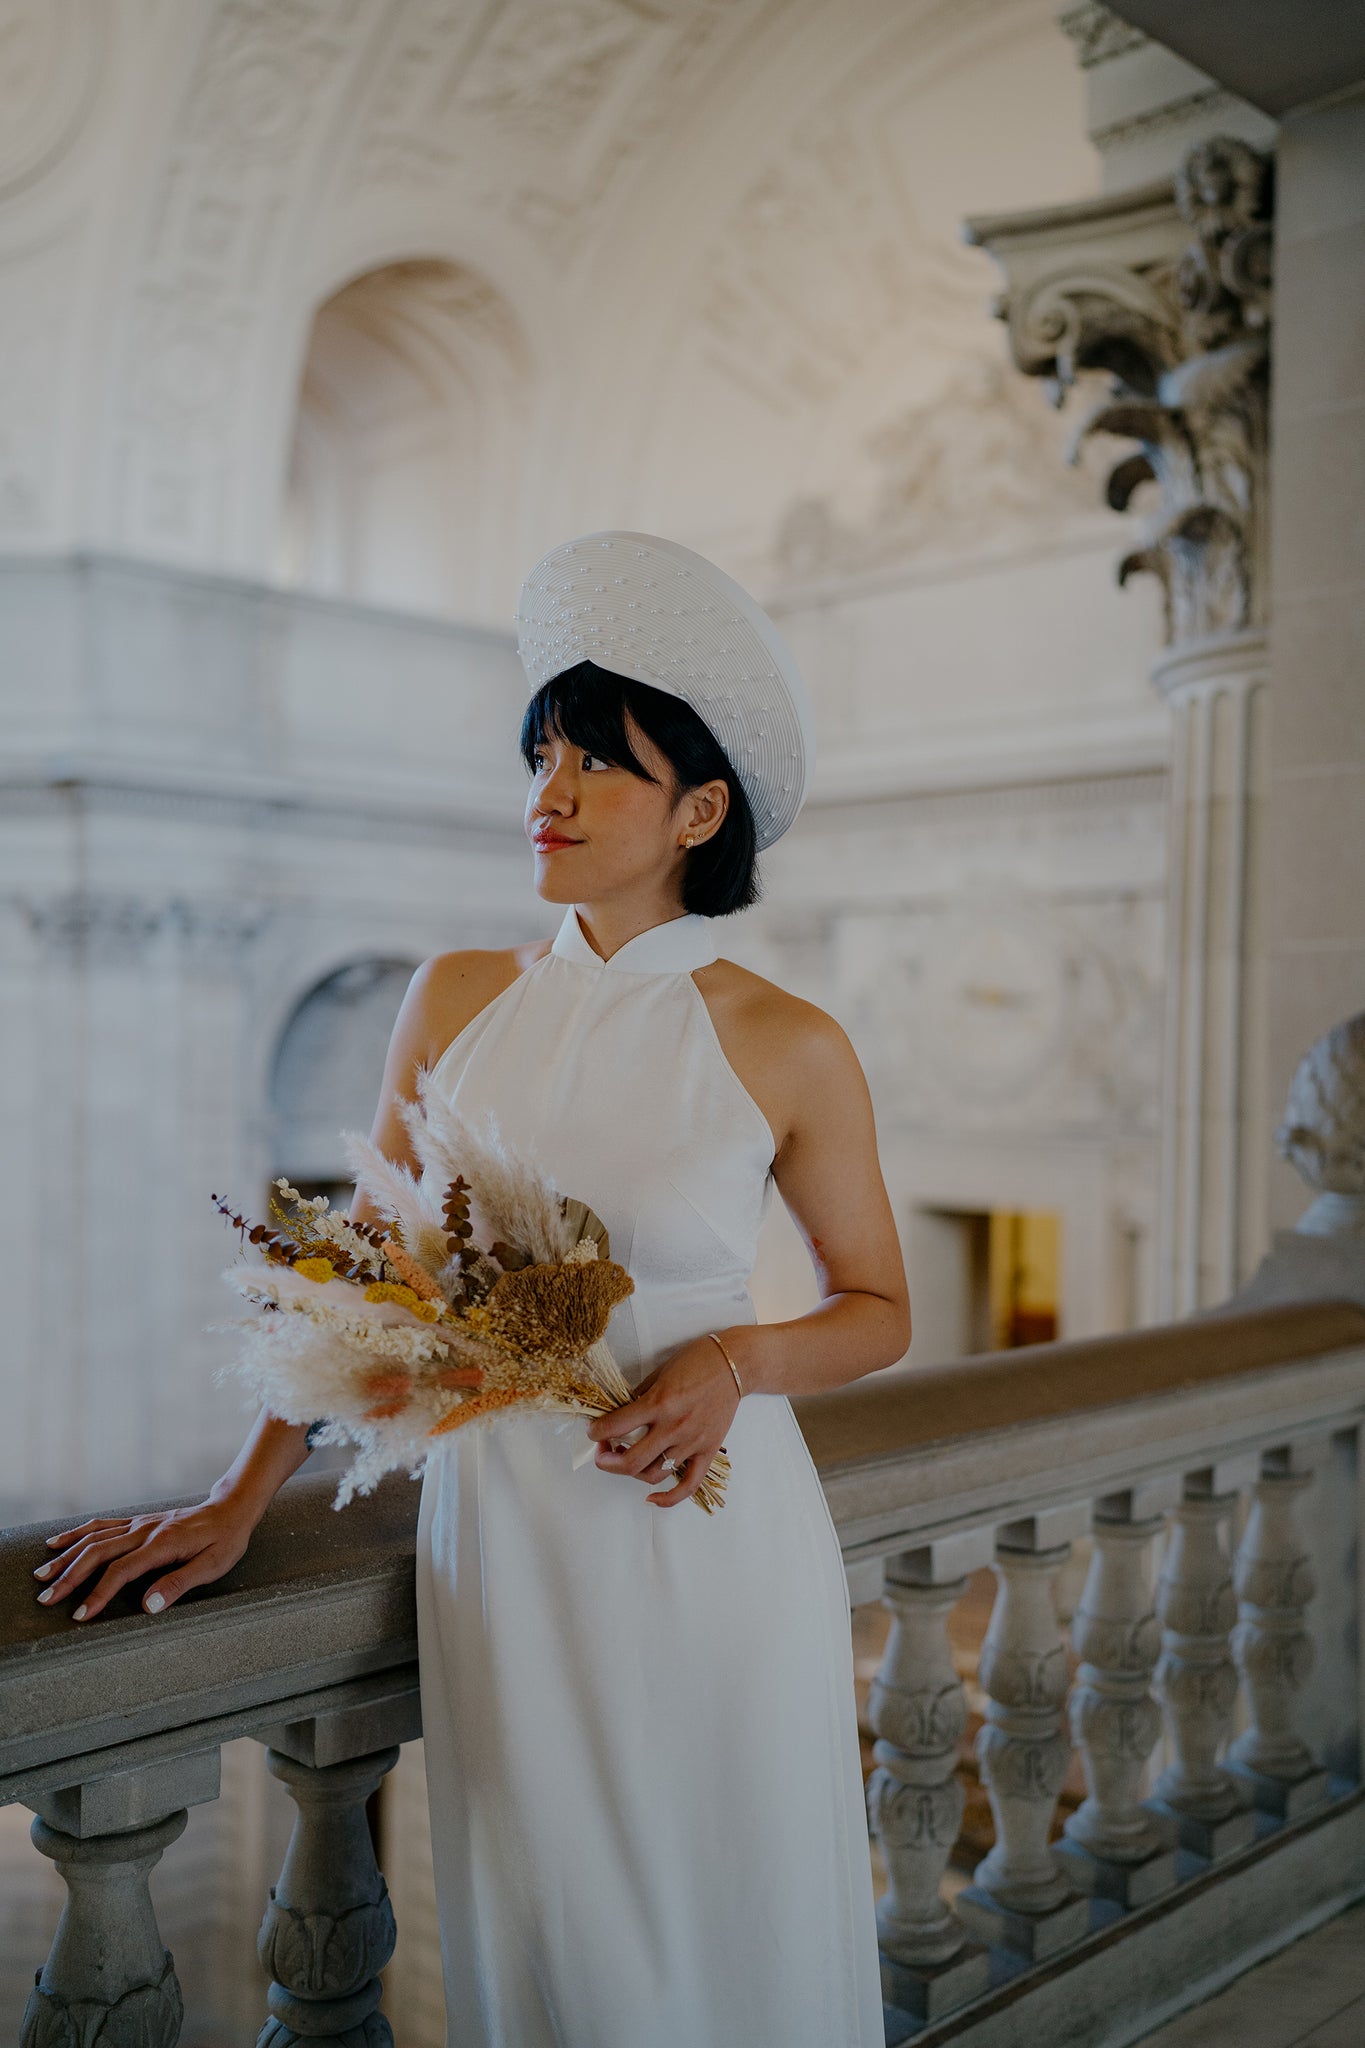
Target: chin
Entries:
(556, 888)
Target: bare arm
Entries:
(204, 1541)
(830, 1178)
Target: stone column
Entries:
(915, 1800)
(1196, 1680)
(1019, 1895)
(109, 1976)
(1113, 1846)
(1273, 1649)
(1167, 290)
(329, 1929)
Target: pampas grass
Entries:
(485, 1266)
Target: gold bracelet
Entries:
(729, 1361)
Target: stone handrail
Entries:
(108, 1730)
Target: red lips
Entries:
(546, 842)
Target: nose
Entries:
(555, 794)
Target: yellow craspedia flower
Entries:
(407, 1297)
(316, 1269)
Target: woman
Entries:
(640, 1734)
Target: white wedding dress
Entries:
(641, 1742)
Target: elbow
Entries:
(897, 1336)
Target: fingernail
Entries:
(41, 1571)
(47, 1592)
(79, 1615)
(155, 1602)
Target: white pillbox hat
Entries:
(656, 613)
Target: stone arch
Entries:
(327, 1065)
(412, 402)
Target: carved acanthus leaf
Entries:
(1184, 337)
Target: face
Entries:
(600, 832)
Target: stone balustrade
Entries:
(1217, 1727)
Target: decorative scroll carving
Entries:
(1114, 1719)
(915, 1801)
(1196, 1679)
(1186, 342)
(1023, 1752)
(1273, 1648)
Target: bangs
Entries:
(586, 707)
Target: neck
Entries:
(609, 926)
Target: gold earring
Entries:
(688, 840)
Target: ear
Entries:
(704, 808)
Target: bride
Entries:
(639, 1725)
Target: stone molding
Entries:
(1097, 33)
(120, 928)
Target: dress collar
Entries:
(675, 947)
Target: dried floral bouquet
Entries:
(483, 1263)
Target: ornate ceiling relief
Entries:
(820, 261)
(973, 468)
(257, 103)
(50, 56)
(536, 108)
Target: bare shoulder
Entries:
(787, 1022)
(788, 1053)
(449, 990)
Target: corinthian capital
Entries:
(1165, 290)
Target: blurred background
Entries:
(320, 321)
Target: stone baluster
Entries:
(1019, 1895)
(1113, 1845)
(109, 1976)
(329, 1928)
(1196, 1680)
(1272, 1646)
(915, 1800)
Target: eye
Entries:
(588, 760)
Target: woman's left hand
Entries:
(685, 1405)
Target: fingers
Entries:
(635, 1459)
(84, 1528)
(207, 1564)
(690, 1476)
(70, 1571)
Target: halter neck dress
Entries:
(647, 1812)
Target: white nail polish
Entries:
(79, 1615)
(47, 1592)
(155, 1602)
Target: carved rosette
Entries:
(1186, 343)
(919, 1713)
(1022, 1750)
(1196, 1680)
(1271, 1643)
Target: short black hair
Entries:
(587, 705)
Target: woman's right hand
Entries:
(202, 1542)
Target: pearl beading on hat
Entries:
(720, 664)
